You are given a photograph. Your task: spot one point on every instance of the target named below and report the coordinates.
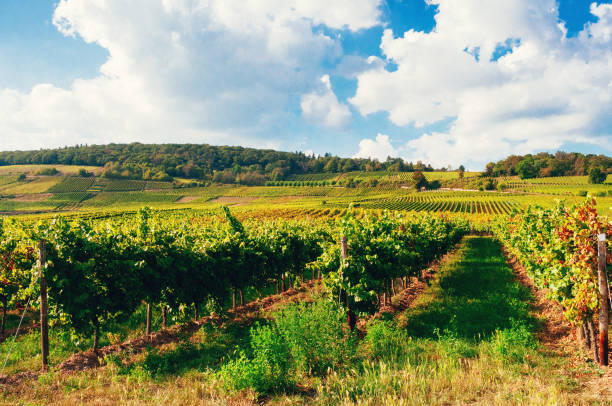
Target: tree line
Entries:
(224, 164)
(545, 165)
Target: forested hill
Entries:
(544, 165)
(164, 161)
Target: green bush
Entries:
(265, 370)
(48, 172)
(316, 336)
(304, 339)
(385, 341)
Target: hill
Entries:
(224, 164)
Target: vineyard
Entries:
(189, 293)
(149, 270)
(72, 184)
(177, 261)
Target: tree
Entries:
(420, 181)
(84, 174)
(526, 169)
(461, 171)
(597, 176)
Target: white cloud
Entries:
(219, 71)
(547, 91)
(322, 107)
(380, 148)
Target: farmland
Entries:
(316, 192)
(218, 293)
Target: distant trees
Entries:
(545, 165)
(167, 161)
(526, 169)
(420, 182)
(597, 176)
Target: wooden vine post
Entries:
(149, 318)
(352, 320)
(604, 294)
(44, 307)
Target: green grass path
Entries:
(474, 294)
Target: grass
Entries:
(474, 295)
(31, 185)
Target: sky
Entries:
(442, 81)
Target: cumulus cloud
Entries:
(219, 71)
(323, 108)
(380, 148)
(503, 73)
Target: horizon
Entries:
(493, 80)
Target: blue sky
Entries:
(329, 79)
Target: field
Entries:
(232, 294)
(313, 193)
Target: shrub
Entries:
(303, 339)
(84, 174)
(385, 341)
(48, 172)
(596, 175)
(265, 370)
(316, 337)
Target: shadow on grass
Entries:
(472, 296)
